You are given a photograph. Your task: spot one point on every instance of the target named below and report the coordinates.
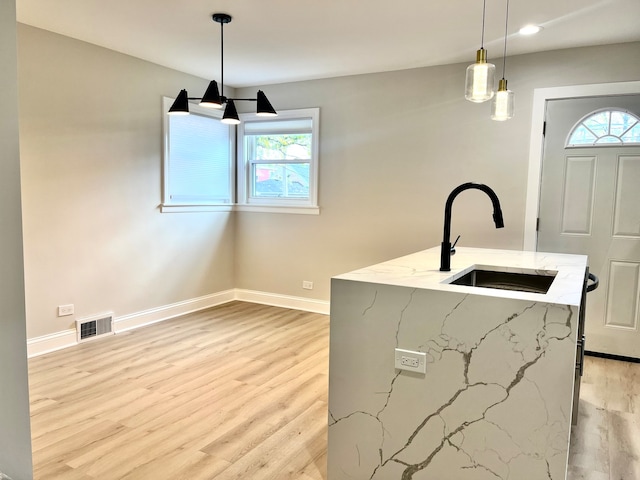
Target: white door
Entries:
(590, 204)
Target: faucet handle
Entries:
(453, 247)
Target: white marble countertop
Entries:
(422, 270)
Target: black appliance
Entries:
(591, 282)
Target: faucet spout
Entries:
(445, 252)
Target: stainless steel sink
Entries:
(533, 282)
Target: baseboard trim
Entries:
(50, 343)
(67, 338)
(284, 301)
(165, 312)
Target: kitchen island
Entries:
(495, 398)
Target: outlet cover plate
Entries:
(410, 360)
(64, 310)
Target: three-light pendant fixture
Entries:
(214, 97)
(480, 79)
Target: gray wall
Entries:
(91, 143)
(392, 147)
(15, 434)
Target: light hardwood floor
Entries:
(605, 445)
(240, 392)
(234, 392)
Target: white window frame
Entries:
(169, 206)
(278, 205)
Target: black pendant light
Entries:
(181, 104)
(230, 113)
(211, 97)
(264, 107)
(214, 97)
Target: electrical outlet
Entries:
(64, 310)
(411, 361)
(307, 285)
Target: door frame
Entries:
(540, 98)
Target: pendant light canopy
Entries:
(502, 103)
(214, 97)
(479, 84)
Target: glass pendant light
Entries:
(502, 104)
(480, 81)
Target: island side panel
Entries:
(495, 401)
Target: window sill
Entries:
(165, 208)
(289, 209)
(299, 210)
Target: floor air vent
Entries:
(94, 327)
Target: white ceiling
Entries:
(278, 41)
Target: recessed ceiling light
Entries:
(530, 30)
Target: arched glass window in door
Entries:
(603, 128)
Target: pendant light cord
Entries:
(504, 56)
(484, 11)
(222, 59)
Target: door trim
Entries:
(540, 98)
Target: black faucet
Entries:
(445, 252)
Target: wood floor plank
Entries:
(579, 473)
(180, 464)
(605, 444)
(284, 454)
(58, 470)
(47, 438)
(91, 439)
(590, 439)
(237, 442)
(624, 445)
(40, 401)
(205, 467)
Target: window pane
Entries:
(598, 123)
(199, 159)
(621, 122)
(280, 147)
(582, 136)
(280, 180)
(633, 135)
(608, 139)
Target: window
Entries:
(198, 156)
(278, 162)
(605, 128)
